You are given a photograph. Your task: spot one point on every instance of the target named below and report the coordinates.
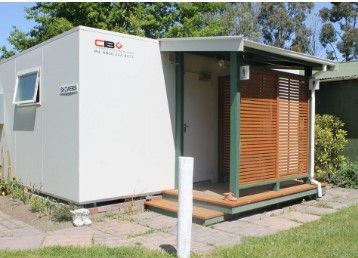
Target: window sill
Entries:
(27, 104)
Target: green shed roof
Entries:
(343, 71)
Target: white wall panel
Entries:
(126, 137)
(42, 140)
(60, 118)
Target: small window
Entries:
(27, 87)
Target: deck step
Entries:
(200, 215)
(242, 201)
(209, 209)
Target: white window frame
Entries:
(37, 86)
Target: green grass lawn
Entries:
(96, 251)
(335, 235)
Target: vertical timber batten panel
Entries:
(258, 128)
(293, 125)
(274, 119)
(304, 127)
(224, 129)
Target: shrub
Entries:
(37, 204)
(43, 205)
(62, 213)
(5, 187)
(347, 176)
(50, 204)
(14, 188)
(330, 140)
(18, 191)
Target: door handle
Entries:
(185, 127)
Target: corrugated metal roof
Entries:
(343, 71)
(288, 53)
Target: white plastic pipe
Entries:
(312, 126)
(186, 168)
(319, 187)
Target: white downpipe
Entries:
(185, 211)
(312, 126)
(319, 187)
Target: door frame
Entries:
(234, 118)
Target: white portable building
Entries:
(86, 117)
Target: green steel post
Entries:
(277, 186)
(234, 124)
(179, 111)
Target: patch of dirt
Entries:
(20, 211)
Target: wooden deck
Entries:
(203, 197)
(211, 207)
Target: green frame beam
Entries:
(179, 111)
(274, 181)
(234, 124)
(254, 206)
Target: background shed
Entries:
(338, 95)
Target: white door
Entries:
(200, 126)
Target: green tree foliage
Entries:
(330, 140)
(278, 24)
(197, 19)
(154, 20)
(145, 19)
(282, 24)
(241, 19)
(5, 53)
(314, 27)
(345, 39)
(347, 176)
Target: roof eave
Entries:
(201, 44)
(348, 78)
(235, 43)
(289, 53)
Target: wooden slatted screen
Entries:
(258, 130)
(303, 149)
(273, 126)
(293, 125)
(224, 128)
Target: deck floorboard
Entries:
(249, 199)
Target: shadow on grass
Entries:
(170, 249)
